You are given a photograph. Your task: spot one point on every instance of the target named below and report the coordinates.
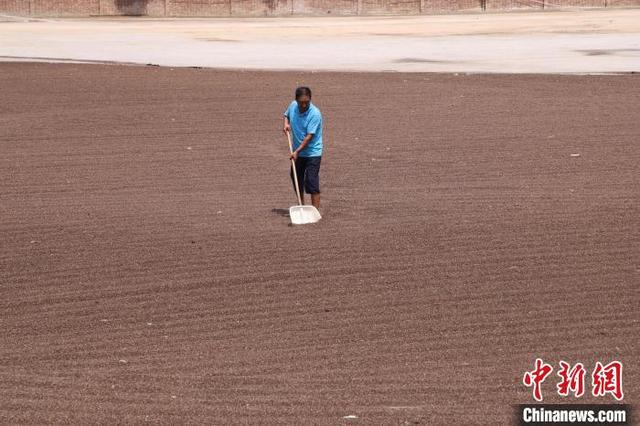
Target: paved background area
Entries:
(471, 223)
(599, 41)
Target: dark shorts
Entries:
(308, 170)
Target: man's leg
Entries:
(312, 180)
(300, 169)
(315, 200)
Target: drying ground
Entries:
(471, 224)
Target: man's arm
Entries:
(287, 126)
(302, 146)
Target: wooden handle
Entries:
(293, 167)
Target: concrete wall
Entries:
(281, 7)
(18, 7)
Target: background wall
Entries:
(281, 7)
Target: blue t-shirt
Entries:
(303, 124)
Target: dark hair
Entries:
(303, 90)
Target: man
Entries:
(304, 121)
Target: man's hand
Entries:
(287, 128)
(294, 155)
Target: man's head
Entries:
(303, 98)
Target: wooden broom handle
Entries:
(293, 167)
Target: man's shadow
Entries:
(281, 212)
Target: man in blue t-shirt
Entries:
(304, 121)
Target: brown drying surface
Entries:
(143, 280)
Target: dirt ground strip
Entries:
(148, 271)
